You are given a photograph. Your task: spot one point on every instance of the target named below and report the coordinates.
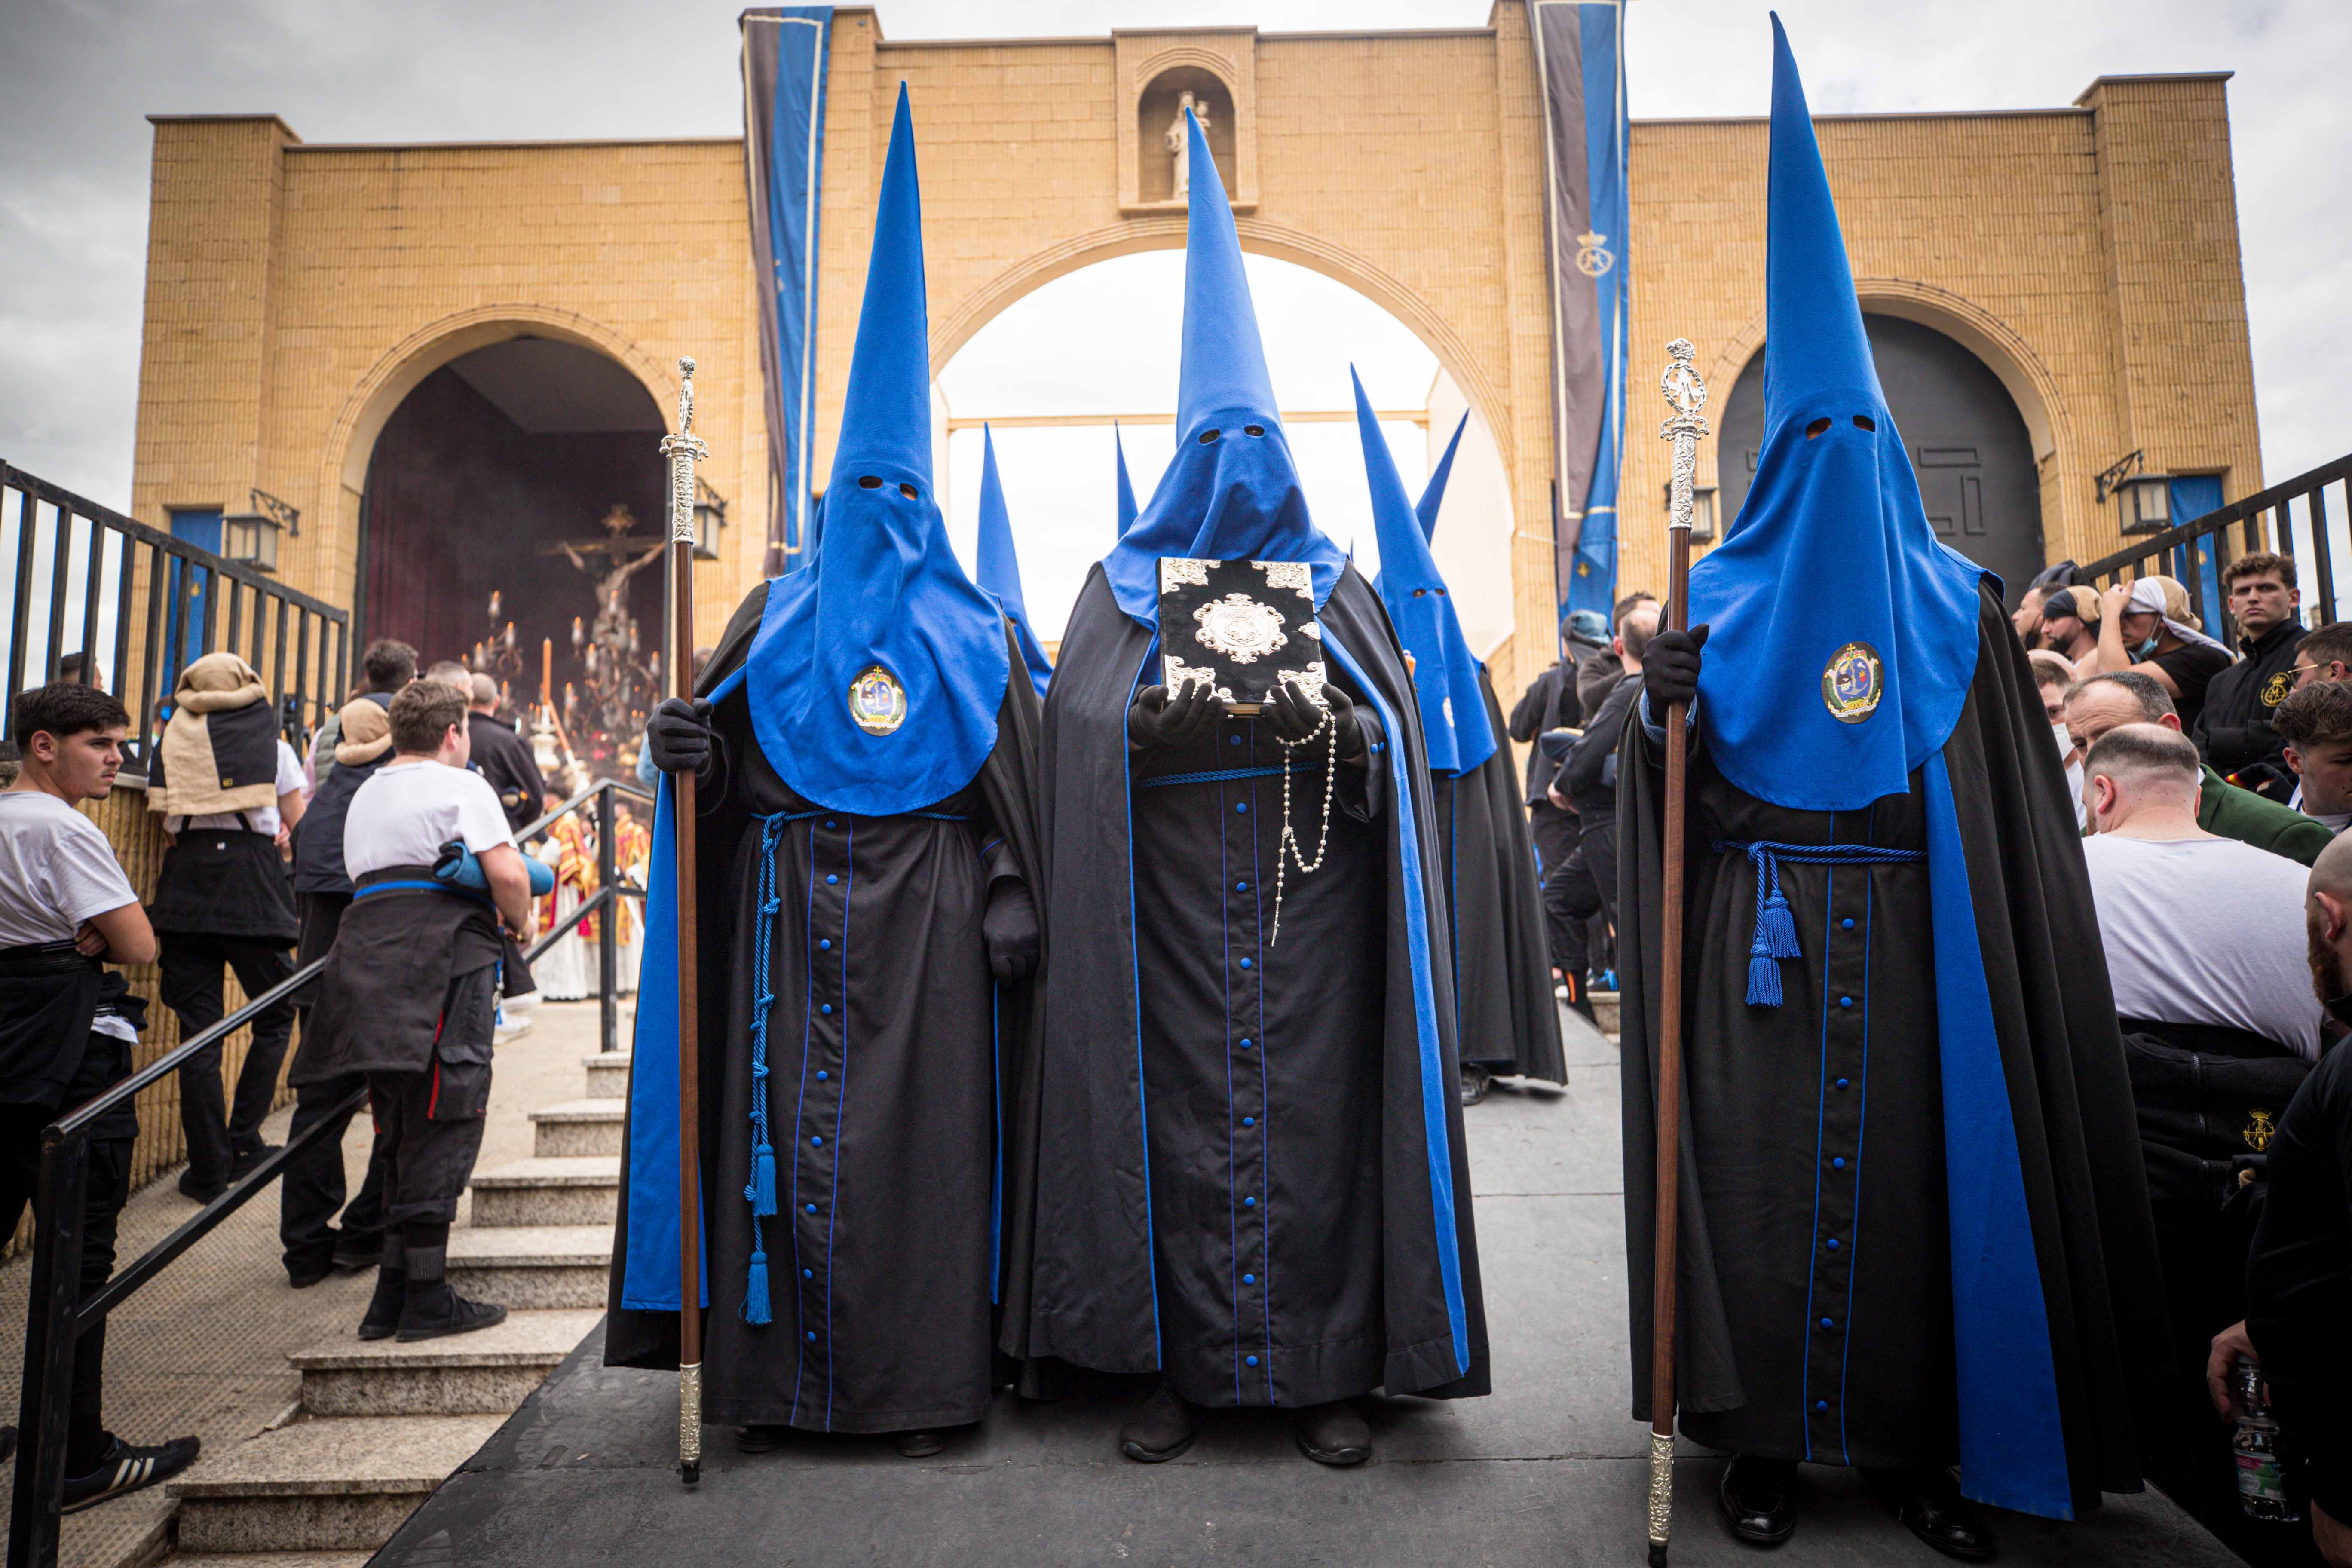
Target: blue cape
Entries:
(1843, 641)
(1444, 674)
(1000, 567)
(1433, 494)
(1127, 507)
(886, 592)
(1228, 494)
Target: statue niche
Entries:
(1163, 174)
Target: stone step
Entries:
(532, 1267)
(341, 1484)
(1604, 1012)
(273, 1558)
(578, 1190)
(465, 1374)
(608, 1074)
(577, 1126)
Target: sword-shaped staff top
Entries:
(1687, 394)
(684, 450)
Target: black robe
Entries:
(887, 1045)
(1508, 1021)
(1251, 1169)
(1816, 1310)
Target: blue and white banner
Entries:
(1581, 59)
(785, 48)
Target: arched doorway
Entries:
(526, 469)
(1966, 439)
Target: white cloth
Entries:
(290, 781)
(2147, 599)
(2334, 821)
(57, 871)
(405, 814)
(2205, 930)
(563, 970)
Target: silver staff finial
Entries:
(1687, 394)
(684, 450)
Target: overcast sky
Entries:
(75, 80)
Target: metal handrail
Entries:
(57, 1316)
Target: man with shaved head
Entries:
(2299, 1277)
(500, 756)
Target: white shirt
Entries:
(264, 819)
(57, 871)
(2205, 930)
(407, 811)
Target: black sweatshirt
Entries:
(2235, 729)
(2299, 1281)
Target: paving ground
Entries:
(1547, 1471)
(202, 1348)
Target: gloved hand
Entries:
(1294, 716)
(1009, 927)
(1670, 670)
(679, 736)
(1159, 719)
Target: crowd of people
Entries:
(390, 851)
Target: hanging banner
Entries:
(1579, 59)
(785, 52)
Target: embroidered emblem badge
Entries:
(2275, 691)
(876, 701)
(2257, 1132)
(1853, 683)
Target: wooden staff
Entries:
(1688, 394)
(684, 450)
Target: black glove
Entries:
(1159, 719)
(679, 737)
(1010, 928)
(1670, 670)
(1294, 716)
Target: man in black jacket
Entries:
(1586, 884)
(502, 756)
(2234, 730)
(1549, 703)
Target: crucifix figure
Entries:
(1178, 145)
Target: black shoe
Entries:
(382, 1318)
(241, 1165)
(1754, 1495)
(304, 1275)
(1332, 1434)
(1475, 1082)
(128, 1469)
(436, 1311)
(920, 1445)
(203, 1189)
(1161, 1430)
(7, 1444)
(354, 1253)
(1930, 1506)
(759, 1439)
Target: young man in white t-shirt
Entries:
(66, 1026)
(410, 994)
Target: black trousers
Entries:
(1555, 834)
(104, 1196)
(1584, 886)
(314, 1186)
(430, 1123)
(193, 966)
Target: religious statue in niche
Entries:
(1181, 145)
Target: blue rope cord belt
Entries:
(1224, 776)
(804, 815)
(760, 1193)
(1776, 927)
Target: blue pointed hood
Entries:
(1433, 494)
(1445, 673)
(1231, 492)
(1127, 507)
(1843, 633)
(878, 671)
(811, 534)
(1000, 567)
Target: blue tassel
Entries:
(1777, 928)
(755, 1290)
(1763, 978)
(763, 1181)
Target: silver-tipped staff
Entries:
(684, 450)
(1686, 393)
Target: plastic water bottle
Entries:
(2261, 1486)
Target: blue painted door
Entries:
(2192, 496)
(190, 589)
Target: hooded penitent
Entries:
(1433, 494)
(999, 566)
(220, 750)
(1890, 931)
(1127, 507)
(863, 831)
(1309, 1237)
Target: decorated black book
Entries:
(1241, 626)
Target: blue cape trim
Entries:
(1437, 1089)
(1135, 993)
(650, 1271)
(2012, 1439)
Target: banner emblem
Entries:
(877, 704)
(1592, 256)
(1853, 683)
